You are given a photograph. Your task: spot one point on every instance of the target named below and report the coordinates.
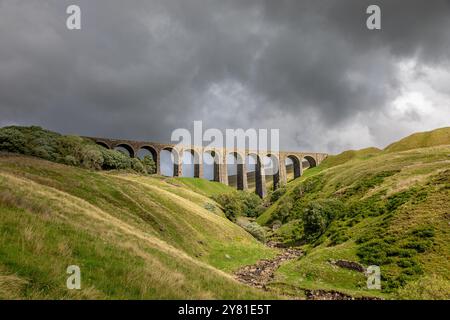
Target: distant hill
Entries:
(417, 140)
(421, 140)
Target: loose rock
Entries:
(261, 273)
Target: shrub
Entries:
(277, 194)
(239, 203)
(210, 207)
(70, 146)
(251, 204)
(283, 211)
(312, 184)
(418, 245)
(41, 152)
(92, 158)
(315, 221)
(149, 164)
(71, 160)
(12, 140)
(318, 215)
(374, 252)
(114, 160)
(424, 232)
(70, 150)
(137, 165)
(256, 231)
(398, 199)
(231, 205)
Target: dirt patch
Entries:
(332, 295)
(261, 273)
(351, 265)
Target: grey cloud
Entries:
(139, 69)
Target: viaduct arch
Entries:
(299, 160)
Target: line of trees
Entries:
(69, 150)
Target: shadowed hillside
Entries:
(133, 236)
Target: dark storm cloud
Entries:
(139, 69)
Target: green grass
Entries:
(203, 186)
(421, 140)
(314, 271)
(395, 215)
(149, 237)
(335, 160)
(134, 237)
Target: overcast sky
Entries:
(139, 69)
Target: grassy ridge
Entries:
(421, 140)
(133, 236)
(335, 160)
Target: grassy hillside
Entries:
(133, 236)
(137, 236)
(335, 160)
(389, 209)
(421, 140)
(201, 186)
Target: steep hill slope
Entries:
(133, 236)
(390, 209)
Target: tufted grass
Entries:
(397, 217)
(134, 237)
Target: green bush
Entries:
(231, 205)
(12, 140)
(137, 165)
(71, 160)
(374, 252)
(423, 232)
(70, 146)
(149, 164)
(315, 221)
(398, 199)
(92, 158)
(251, 204)
(210, 207)
(256, 231)
(277, 194)
(239, 203)
(283, 211)
(318, 215)
(70, 150)
(418, 245)
(43, 152)
(114, 160)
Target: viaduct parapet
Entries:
(220, 156)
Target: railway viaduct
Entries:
(220, 155)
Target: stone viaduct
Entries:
(220, 156)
